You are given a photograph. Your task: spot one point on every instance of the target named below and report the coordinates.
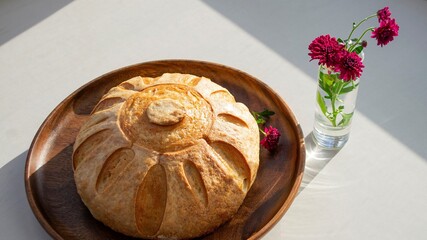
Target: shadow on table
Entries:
(16, 16)
(316, 159)
(17, 220)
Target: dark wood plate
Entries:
(49, 179)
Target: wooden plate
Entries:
(49, 179)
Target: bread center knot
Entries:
(165, 112)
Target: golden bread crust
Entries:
(172, 156)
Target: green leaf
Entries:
(325, 82)
(255, 114)
(340, 40)
(321, 103)
(321, 77)
(358, 49)
(261, 117)
(337, 86)
(328, 79)
(346, 118)
(267, 113)
(323, 86)
(260, 120)
(348, 89)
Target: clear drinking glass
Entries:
(335, 104)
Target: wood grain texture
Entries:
(49, 181)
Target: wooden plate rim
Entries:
(256, 235)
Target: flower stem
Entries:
(334, 97)
(334, 114)
(333, 87)
(358, 40)
(356, 26)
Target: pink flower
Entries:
(326, 49)
(271, 139)
(386, 32)
(383, 14)
(350, 66)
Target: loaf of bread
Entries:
(166, 157)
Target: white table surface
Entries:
(374, 188)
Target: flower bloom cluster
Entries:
(342, 56)
(386, 32)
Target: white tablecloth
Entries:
(374, 188)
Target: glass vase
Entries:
(335, 104)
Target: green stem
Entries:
(360, 38)
(334, 115)
(356, 26)
(332, 87)
(333, 98)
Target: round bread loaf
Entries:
(166, 157)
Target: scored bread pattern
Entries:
(141, 176)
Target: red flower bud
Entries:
(364, 43)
